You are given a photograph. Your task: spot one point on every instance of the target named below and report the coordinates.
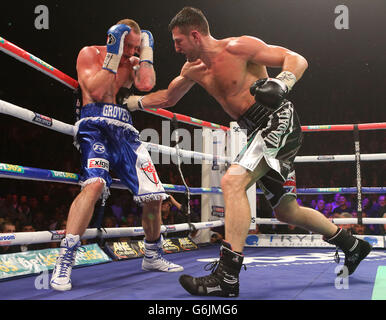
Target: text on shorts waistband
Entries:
(106, 110)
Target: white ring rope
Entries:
(59, 126)
(24, 238)
(335, 221)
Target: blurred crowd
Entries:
(48, 209)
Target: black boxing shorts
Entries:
(275, 136)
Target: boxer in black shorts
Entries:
(234, 72)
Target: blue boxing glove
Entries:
(115, 43)
(147, 45)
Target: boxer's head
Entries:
(133, 39)
(188, 28)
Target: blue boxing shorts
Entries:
(107, 140)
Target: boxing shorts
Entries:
(275, 136)
(108, 141)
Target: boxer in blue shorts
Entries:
(107, 140)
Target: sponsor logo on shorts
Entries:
(2, 40)
(11, 168)
(98, 147)
(98, 163)
(150, 172)
(274, 137)
(46, 121)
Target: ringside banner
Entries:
(36, 261)
(302, 240)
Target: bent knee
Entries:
(95, 186)
(234, 181)
(286, 210)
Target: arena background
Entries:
(343, 84)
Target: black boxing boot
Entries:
(355, 249)
(224, 279)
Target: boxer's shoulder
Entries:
(93, 51)
(242, 45)
(91, 55)
(235, 45)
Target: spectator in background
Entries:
(320, 205)
(130, 220)
(8, 227)
(166, 213)
(366, 205)
(176, 216)
(343, 206)
(335, 203)
(379, 208)
(33, 204)
(39, 221)
(9, 207)
(109, 221)
(47, 206)
(327, 211)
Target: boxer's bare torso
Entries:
(228, 76)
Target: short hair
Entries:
(4, 223)
(190, 18)
(132, 24)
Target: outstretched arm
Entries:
(161, 98)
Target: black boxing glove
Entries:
(269, 92)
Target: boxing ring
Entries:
(279, 268)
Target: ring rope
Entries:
(24, 238)
(36, 174)
(59, 126)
